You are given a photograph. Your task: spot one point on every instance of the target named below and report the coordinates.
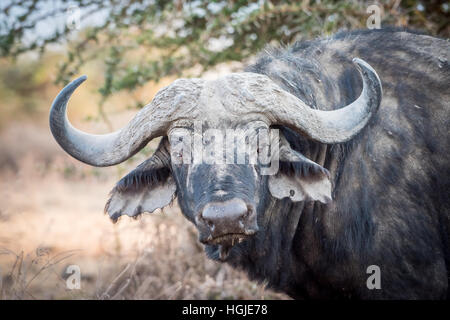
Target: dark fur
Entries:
(391, 183)
(139, 178)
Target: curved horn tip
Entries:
(75, 83)
(59, 103)
(79, 80)
(67, 91)
(361, 64)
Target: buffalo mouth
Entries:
(226, 242)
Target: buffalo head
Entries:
(204, 125)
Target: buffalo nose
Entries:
(228, 217)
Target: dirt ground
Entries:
(51, 217)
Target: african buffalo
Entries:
(362, 170)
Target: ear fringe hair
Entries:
(138, 179)
(116, 216)
(302, 169)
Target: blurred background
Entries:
(51, 206)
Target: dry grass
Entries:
(51, 217)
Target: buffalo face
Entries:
(225, 200)
(218, 194)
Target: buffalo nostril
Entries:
(227, 217)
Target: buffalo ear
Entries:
(299, 178)
(148, 187)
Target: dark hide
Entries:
(391, 183)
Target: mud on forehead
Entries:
(221, 121)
